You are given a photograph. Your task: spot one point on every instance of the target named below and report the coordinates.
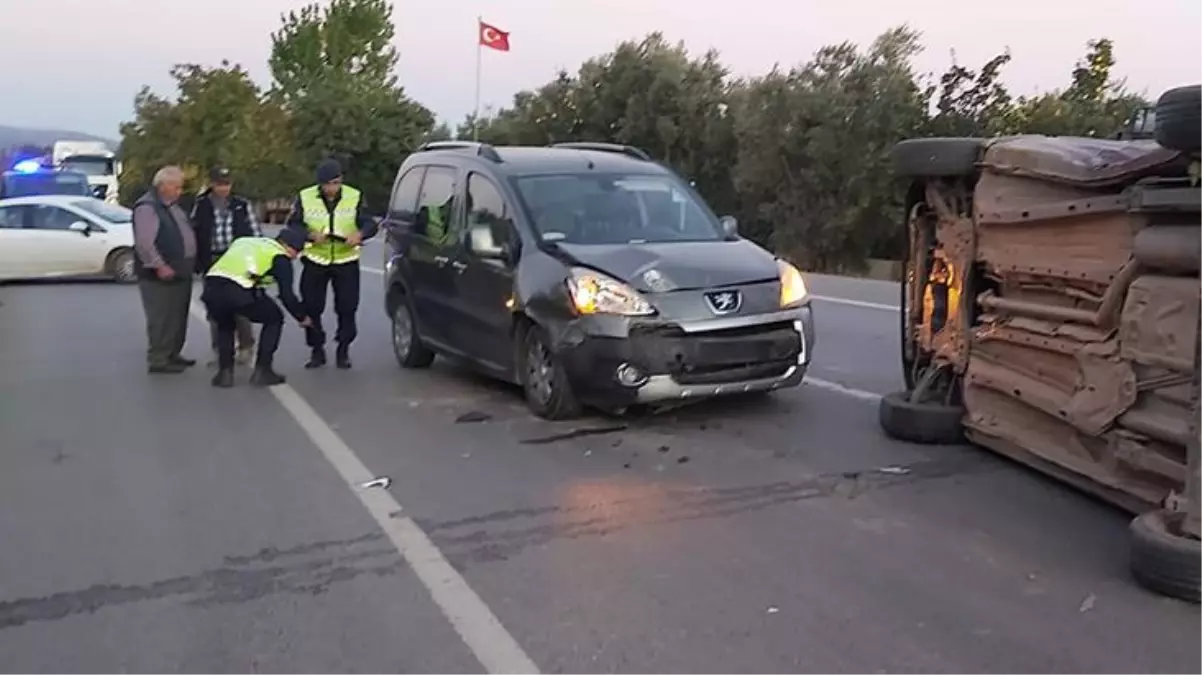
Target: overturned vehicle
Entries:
(1050, 312)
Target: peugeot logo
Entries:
(724, 302)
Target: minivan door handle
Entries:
(441, 260)
(459, 266)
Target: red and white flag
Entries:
(493, 37)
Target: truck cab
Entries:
(94, 160)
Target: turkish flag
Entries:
(491, 36)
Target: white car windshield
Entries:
(110, 212)
(615, 209)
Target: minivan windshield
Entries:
(596, 209)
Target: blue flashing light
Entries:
(27, 166)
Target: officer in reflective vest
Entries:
(335, 220)
(235, 287)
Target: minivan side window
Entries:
(486, 206)
(436, 203)
(403, 205)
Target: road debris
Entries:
(683, 459)
(380, 482)
(473, 416)
(1088, 603)
(575, 433)
(773, 610)
(894, 470)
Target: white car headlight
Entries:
(793, 291)
(596, 293)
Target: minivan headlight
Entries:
(793, 291)
(596, 293)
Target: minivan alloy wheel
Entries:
(402, 331)
(540, 371)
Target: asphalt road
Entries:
(157, 524)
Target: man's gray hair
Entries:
(168, 174)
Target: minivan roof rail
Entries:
(482, 149)
(628, 150)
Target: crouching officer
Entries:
(234, 287)
(335, 220)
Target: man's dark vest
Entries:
(168, 241)
(204, 219)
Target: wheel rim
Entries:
(402, 331)
(540, 372)
(126, 270)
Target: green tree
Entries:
(1094, 103)
(333, 68)
(971, 103)
(812, 161)
(219, 116)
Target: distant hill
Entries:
(11, 136)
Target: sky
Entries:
(76, 64)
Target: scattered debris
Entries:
(616, 443)
(587, 453)
(664, 448)
(626, 465)
(683, 459)
(575, 433)
(466, 455)
(1088, 603)
(773, 610)
(894, 470)
(473, 416)
(380, 482)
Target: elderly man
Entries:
(220, 217)
(165, 251)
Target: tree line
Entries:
(799, 156)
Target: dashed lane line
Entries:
(475, 623)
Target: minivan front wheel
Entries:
(407, 345)
(548, 391)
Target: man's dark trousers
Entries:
(166, 304)
(226, 301)
(314, 281)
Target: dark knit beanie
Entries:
(328, 170)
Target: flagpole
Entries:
(479, 51)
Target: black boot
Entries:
(317, 358)
(264, 376)
(342, 358)
(224, 378)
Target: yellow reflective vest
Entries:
(318, 220)
(248, 261)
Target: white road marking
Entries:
(856, 303)
(837, 388)
(478, 627)
(822, 298)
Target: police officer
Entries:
(335, 220)
(234, 287)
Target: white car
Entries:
(48, 236)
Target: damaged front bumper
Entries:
(617, 361)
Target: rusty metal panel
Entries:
(1158, 322)
(1081, 161)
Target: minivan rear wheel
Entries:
(544, 381)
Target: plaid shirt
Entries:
(223, 227)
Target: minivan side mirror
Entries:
(483, 245)
(81, 227)
(730, 226)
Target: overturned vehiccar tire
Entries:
(928, 423)
(1179, 119)
(1164, 561)
(935, 157)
